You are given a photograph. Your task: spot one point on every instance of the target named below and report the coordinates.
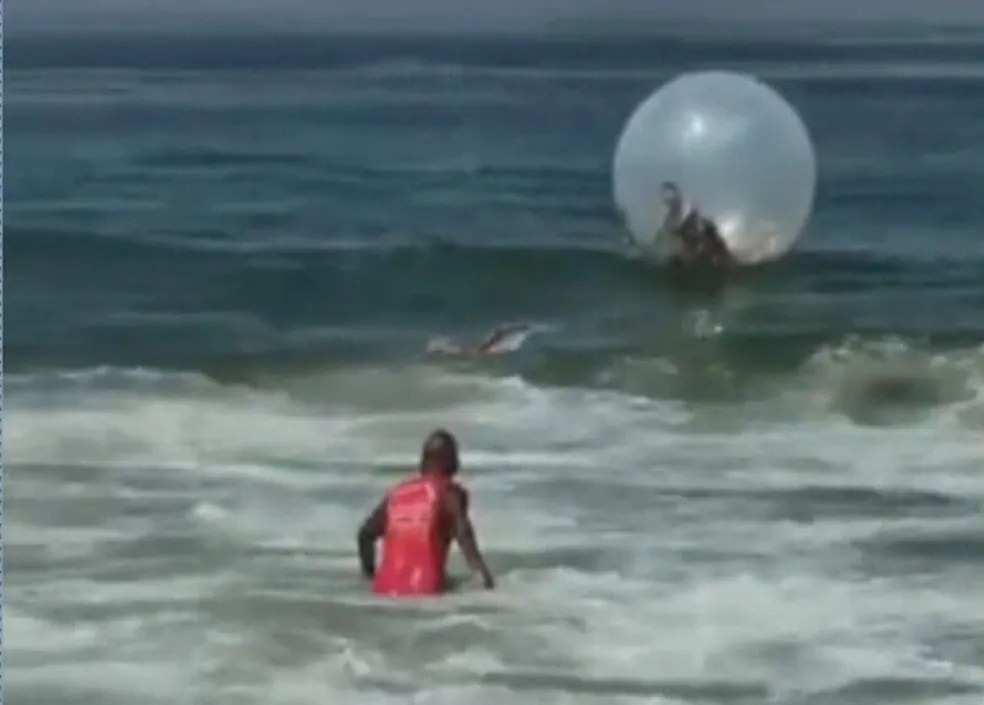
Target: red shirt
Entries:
(416, 538)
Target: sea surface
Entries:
(226, 254)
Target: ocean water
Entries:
(225, 256)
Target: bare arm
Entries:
(371, 531)
(464, 533)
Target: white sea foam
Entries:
(187, 542)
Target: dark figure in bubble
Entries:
(698, 241)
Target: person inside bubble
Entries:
(698, 240)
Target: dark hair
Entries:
(440, 450)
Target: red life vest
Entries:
(416, 538)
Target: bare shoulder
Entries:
(456, 499)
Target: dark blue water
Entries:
(185, 202)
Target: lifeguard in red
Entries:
(417, 522)
(416, 539)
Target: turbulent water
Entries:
(225, 259)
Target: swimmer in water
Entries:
(698, 238)
(502, 340)
(417, 521)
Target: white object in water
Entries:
(504, 339)
(737, 150)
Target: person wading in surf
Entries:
(417, 521)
